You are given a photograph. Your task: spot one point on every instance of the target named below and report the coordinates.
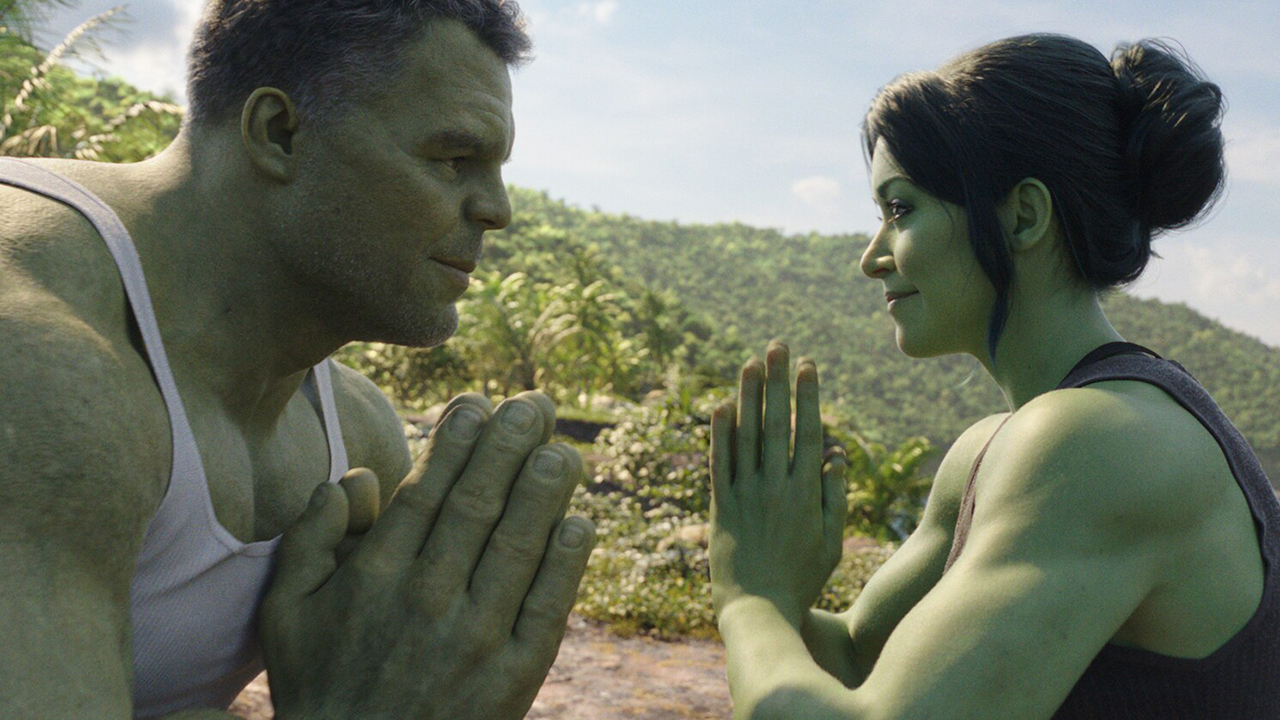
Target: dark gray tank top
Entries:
(1241, 679)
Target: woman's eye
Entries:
(897, 210)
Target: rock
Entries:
(859, 543)
(690, 535)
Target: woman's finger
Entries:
(776, 450)
(835, 503)
(806, 468)
(747, 457)
(721, 453)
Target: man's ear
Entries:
(1026, 214)
(267, 125)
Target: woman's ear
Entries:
(1026, 214)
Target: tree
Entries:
(49, 111)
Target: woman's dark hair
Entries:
(323, 52)
(1127, 148)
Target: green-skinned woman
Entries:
(1105, 549)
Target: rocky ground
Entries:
(599, 676)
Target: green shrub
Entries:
(649, 499)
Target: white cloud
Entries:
(602, 11)
(1255, 155)
(818, 192)
(1221, 279)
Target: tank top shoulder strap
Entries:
(36, 179)
(965, 519)
(323, 375)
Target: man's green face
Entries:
(397, 194)
(922, 253)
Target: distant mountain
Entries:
(759, 284)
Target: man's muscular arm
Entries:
(83, 465)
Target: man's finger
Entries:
(305, 557)
(475, 399)
(547, 410)
(397, 538)
(776, 451)
(515, 551)
(363, 499)
(546, 608)
(476, 501)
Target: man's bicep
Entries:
(78, 480)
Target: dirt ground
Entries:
(599, 676)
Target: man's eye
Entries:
(454, 163)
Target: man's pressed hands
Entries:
(454, 602)
(777, 519)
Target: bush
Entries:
(649, 499)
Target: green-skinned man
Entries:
(177, 498)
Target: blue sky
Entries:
(707, 110)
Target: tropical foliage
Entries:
(49, 111)
(755, 284)
(643, 324)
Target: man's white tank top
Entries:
(196, 589)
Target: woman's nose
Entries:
(877, 261)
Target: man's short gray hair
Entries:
(324, 52)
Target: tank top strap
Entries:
(323, 374)
(965, 518)
(1102, 352)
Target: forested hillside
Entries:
(752, 284)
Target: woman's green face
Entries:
(921, 253)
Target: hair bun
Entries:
(1172, 132)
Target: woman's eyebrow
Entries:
(884, 185)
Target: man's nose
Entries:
(489, 205)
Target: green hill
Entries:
(757, 284)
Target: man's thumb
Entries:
(306, 558)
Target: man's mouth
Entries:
(466, 265)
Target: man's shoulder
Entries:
(76, 437)
(371, 428)
(50, 247)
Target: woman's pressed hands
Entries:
(777, 518)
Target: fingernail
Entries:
(320, 496)
(466, 423)
(549, 463)
(572, 536)
(518, 417)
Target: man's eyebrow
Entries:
(468, 140)
(458, 139)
